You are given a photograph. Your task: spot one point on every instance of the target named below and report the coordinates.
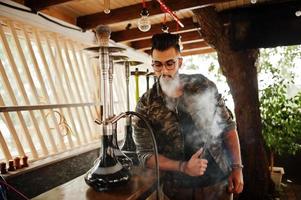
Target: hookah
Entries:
(129, 147)
(125, 160)
(121, 157)
(136, 74)
(107, 171)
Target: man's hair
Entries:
(164, 41)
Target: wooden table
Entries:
(141, 185)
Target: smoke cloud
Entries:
(169, 84)
(205, 112)
(203, 108)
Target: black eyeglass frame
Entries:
(169, 64)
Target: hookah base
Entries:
(105, 182)
(125, 161)
(133, 156)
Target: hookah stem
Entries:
(127, 78)
(111, 72)
(103, 61)
(137, 84)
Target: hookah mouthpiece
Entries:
(103, 33)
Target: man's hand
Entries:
(196, 166)
(236, 182)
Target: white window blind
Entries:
(48, 98)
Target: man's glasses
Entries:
(169, 64)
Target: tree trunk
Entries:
(241, 74)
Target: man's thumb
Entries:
(198, 153)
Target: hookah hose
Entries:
(140, 116)
(4, 189)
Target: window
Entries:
(48, 101)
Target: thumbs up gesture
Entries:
(196, 166)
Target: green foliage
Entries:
(281, 115)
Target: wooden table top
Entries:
(141, 183)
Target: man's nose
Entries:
(164, 70)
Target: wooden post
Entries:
(52, 85)
(88, 75)
(4, 148)
(31, 83)
(59, 86)
(14, 133)
(19, 115)
(44, 90)
(240, 71)
(83, 84)
(77, 85)
(11, 93)
(61, 61)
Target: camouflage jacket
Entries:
(164, 120)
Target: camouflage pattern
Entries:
(166, 127)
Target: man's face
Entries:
(166, 63)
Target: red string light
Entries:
(167, 10)
(143, 4)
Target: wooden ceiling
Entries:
(122, 19)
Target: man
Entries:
(198, 146)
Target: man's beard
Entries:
(170, 84)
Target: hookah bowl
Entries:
(107, 172)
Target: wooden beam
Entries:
(37, 5)
(187, 36)
(195, 45)
(136, 34)
(190, 46)
(264, 26)
(133, 12)
(198, 52)
(64, 16)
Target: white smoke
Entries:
(206, 114)
(169, 84)
(203, 108)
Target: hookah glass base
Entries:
(104, 182)
(107, 171)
